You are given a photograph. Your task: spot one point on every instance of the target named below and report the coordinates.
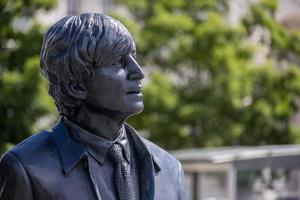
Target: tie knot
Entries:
(116, 153)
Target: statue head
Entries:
(89, 60)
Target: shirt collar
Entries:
(97, 146)
(71, 152)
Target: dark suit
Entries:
(52, 166)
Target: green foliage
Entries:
(20, 80)
(209, 90)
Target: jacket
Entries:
(51, 166)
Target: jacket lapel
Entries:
(147, 165)
(147, 180)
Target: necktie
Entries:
(123, 180)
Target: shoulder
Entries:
(14, 179)
(8, 164)
(33, 143)
(10, 168)
(35, 148)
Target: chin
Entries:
(138, 108)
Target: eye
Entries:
(117, 61)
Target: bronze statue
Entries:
(90, 63)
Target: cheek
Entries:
(109, 88)
(116, 86)
(110, 82)
(112, 88)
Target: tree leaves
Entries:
(19, 69)
(212, 91)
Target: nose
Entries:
(134, 70)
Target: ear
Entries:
(77, 90)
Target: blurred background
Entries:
(222, 91)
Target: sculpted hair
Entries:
(73, 47)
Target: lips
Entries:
(134, 92)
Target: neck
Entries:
(106, 124)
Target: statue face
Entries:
(116, 86)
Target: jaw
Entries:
(91, 112)
(106, 123)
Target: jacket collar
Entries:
(71, 152)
